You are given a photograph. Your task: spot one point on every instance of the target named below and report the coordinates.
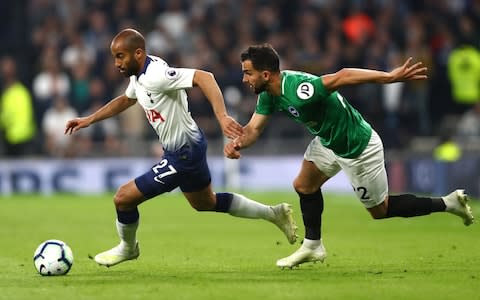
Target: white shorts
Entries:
(367, 172)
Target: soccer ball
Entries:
(53, 257)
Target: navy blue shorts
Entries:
(186, 168)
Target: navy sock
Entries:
(312, 209)
(128, 217)
(224, 200)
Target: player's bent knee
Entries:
(378, 217)
(378, 212)
(202, 201)
(303, 188)
(122, 200)
(202, 206)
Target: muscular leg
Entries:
(235, 204)
(406, 205)
(203, 200)
(128, 197)
(240, 206)
(307, 184)
(126, 200)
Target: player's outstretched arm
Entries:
(251, 132)
(350, 76)
(110, 109)
(209, 86)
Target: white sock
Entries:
(311, 244)
(127, 234)
(246, 208)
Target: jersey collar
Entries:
(144, 69)
(283, 82)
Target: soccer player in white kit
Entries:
(160, 90)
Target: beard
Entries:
(131, 69)
(260, 88)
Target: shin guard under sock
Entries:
(312, 208)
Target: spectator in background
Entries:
(392, 101)
(447, 150)
(416, 95)
(112, 80)
(159, 41)
(203, 34)
(50, 83)
(358, 26)
(134, 132)
(98, 35)
(16, 111)
(464, 75)
(146, 10)
(97, 92)
(464, 68)
(203, 114)
(469, 124)
(80, 91)
(77, 51)
(101, 137)
(173, 20)
(57, 144)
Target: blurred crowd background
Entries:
(55, 64)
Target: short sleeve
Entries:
(265, 105)
(169, 79)
(130, 91)
(319, 87)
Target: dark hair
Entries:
(263, 57)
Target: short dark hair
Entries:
(263, 57)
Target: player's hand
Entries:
(232, 149)
(75, 124)
(409, 72)
(231, 129)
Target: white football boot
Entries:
(116, 255)
(304, 254)
(284, 220)
(456, 203)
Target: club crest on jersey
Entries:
(150, 97)
(305, 90)
(293, 111)
(171, 73)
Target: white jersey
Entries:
(160, 90)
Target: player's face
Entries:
(255, 79)
(125, 61)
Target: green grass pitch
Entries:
(190, 255)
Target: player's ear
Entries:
(266, 75)
(139, 53)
